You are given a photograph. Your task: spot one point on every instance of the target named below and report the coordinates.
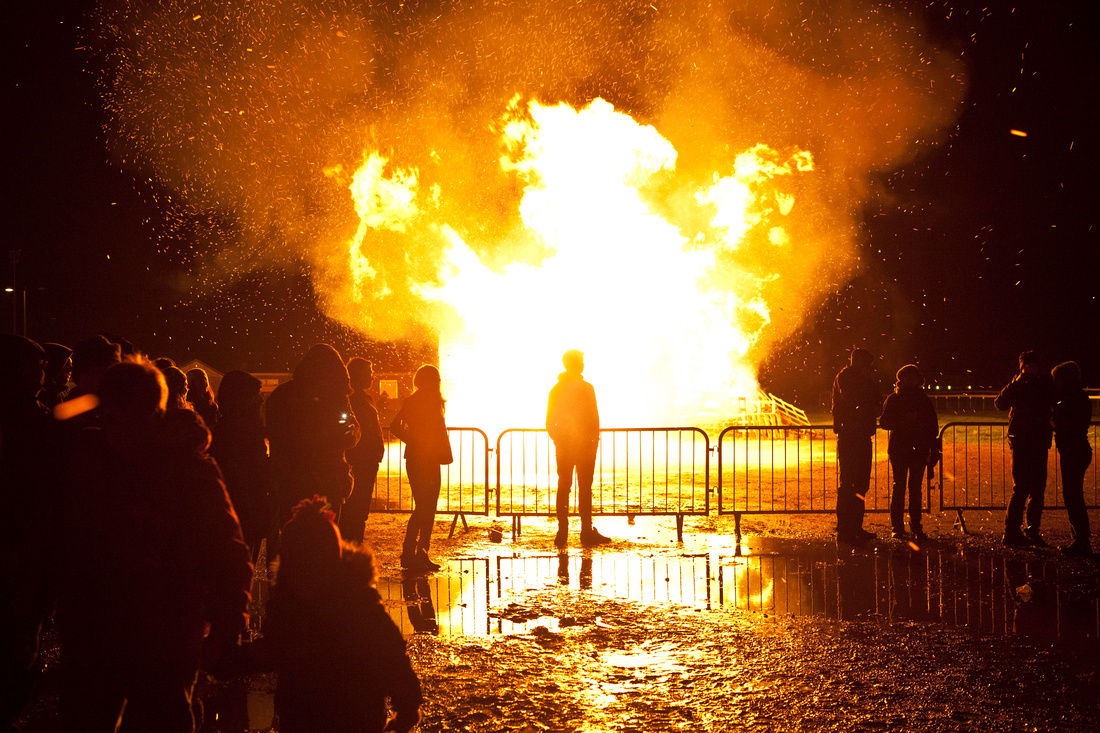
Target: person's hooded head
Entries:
(22, 369)
(321, 374)
(1066, 376)
(132, 399)
(240, 394)
(59, 366)
(861, 359)
(91, 359)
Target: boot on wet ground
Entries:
(1015, 539)
(1034, 538)
(423, 562)
(591, 536)
(1079, 548)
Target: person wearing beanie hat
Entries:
(911, 418)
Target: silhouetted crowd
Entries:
(1041, 406)
(133, 502)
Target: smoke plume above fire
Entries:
(670, 187)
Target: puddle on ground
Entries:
(986, 593)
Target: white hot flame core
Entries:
(665, 327)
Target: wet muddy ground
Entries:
(785, 631)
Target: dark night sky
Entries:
(982, 247)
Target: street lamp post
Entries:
(13, 256)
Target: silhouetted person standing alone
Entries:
(1028, 397)
(1071, 417)
(573, 421)
(420, 425)
(856, 406)
(911, 419)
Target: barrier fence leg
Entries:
(454, 523)
(737, 529)
(960, 523)
(680, 528)
(515, 527)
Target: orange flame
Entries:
(667, 321)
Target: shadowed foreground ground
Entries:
(555, 654)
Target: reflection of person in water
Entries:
(908, 586)
(855, 578)
(585, 572)
(418, 604)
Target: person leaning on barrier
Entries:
(857, 403)
(573, 421)
(1071, 416)
(1028, 397)
(910, 417)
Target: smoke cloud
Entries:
(263, 110)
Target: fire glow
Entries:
(666, 337)
(632, 179)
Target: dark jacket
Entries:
(421, 427)
(856, 403)
(152, 554)
(1029, 398)
(338, 655)
(1071, 416)
(308, 438)
(370, 449)
(910, 417)
(572, 418)
(239, 448)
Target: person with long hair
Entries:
(421, 426)
(201, 396)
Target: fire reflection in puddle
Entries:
(983, 592)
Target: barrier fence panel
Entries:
(465, 487)
(649, 471)
(769, 470)
(976, 470)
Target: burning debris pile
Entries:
(671, 188)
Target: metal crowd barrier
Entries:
(666, 472)
(976, 469)
(639, 471)
(465, 487)
(792, 470)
